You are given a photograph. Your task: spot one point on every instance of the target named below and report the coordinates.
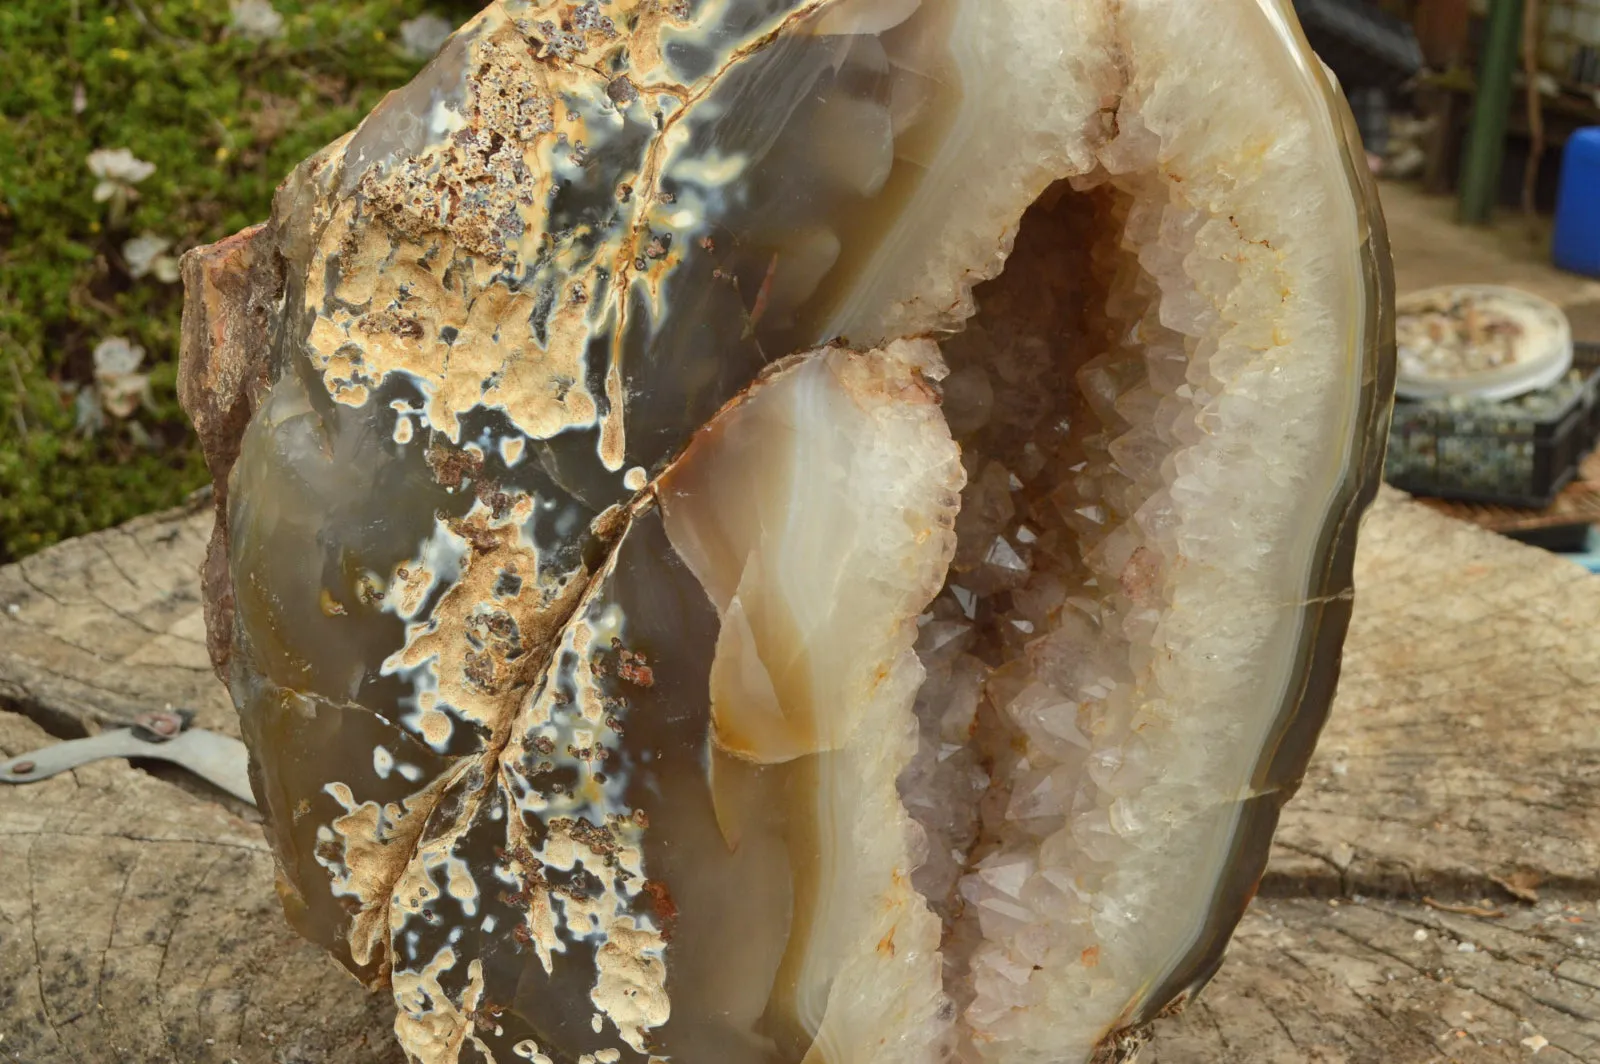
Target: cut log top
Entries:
(1432, 892)
(99, 629)
(1432, 895)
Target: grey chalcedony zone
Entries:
(774, 531)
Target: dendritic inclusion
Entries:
(773, 531)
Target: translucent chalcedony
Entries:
(773, 531)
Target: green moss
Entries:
(223, 119)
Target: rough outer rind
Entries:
(229, 291)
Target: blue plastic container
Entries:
(1577, 237)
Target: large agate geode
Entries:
(772, 531)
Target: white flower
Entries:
(117, 378)
(119, 164)
(87, 416)
(146, 254)
(256, 20)
(118, 170)
(424, 35)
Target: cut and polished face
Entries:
(786, 531)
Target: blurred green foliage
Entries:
(224, 119)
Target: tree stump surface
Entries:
(99, 629)
(138, 924)
(1432, 894)
(1459, 774)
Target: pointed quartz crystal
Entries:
(778, 531)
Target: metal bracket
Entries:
(163, 736)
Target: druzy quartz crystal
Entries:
(762, 531)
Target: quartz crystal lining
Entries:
(795, 530)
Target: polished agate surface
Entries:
(762, 531)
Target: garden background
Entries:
(131, 131)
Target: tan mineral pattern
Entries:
(771, 531)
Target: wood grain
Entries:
(101, 628)
(138, 924)
(1465, 740)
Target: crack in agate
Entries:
(490, 627)
(540, 889)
